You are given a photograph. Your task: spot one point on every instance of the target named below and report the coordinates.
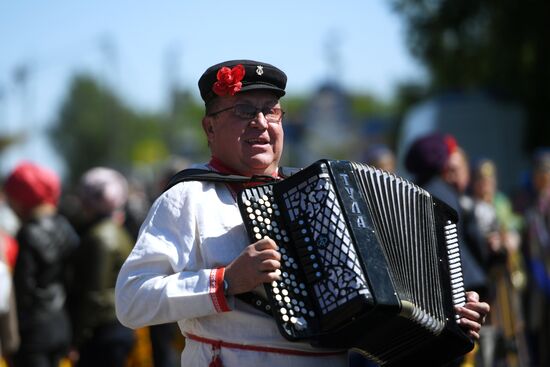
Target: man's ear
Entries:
(207, 127)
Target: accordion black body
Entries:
(370, 262)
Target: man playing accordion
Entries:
(193, 255)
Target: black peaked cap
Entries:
(258, 75)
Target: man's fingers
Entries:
(269, 255)
(270, 276)
(265, 244)
(472, 296)
(270, 265)
(468, 313)
(473, 334)
(470, 324)
(480, 308)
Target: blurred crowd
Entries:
(61, 249)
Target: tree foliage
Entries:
(95, 127)
(500, 45)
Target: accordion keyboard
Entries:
(293, 307)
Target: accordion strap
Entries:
(198, 174)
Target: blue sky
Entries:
(138, 47)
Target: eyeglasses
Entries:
(249, 112)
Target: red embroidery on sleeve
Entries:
(216, 290)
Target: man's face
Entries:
(457, 171)
(248, 145)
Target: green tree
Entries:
(498, 45)
(184, 134)
(95, 127)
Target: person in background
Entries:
(440, 166)
(46, 242)
(537, 256)
(503, 340)
(99, 338)
(457, 173)
(193, 256)
(9, 331)
(457, 169)
(9, 248)
(9, 223)
(380, 156)
(9, 327)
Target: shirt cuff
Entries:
(216, 290)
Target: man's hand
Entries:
(257, 264)
(473, 314)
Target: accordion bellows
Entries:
(370, 262)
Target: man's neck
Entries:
(221, 167)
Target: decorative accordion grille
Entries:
(335, 271)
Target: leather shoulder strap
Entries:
(198, 174)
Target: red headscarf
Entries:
(32, 185)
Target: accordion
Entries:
(369, 262)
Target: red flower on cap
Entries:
(229, 80)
